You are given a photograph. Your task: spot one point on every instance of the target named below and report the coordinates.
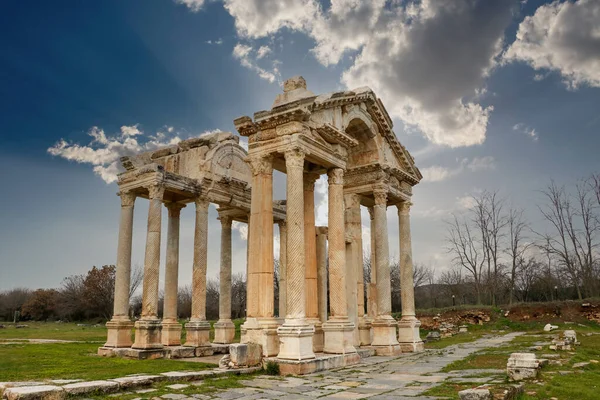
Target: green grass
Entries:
(53, 330)
(22, 362)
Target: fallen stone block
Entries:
(245, 354)
(463, 329)
(475, 394)
(522, 366)
(549, 327)
(42, 392)
(90, 387)
(432, 336)
(581, 364)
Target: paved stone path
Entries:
(376, 378)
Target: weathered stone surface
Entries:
(245, 355)
(433, 336)
(550, 327)
(475, 394)
(92, 386)
(522, 366)
(40, 392)
(136, 381)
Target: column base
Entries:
(197, 333)
(319, 336)
(364, 331)
(147, 335)
(171, 333)
(262, 331)
(409, 336)
(224, 331)
(339, 336)
(295, 340)
(119, 333)
(384, 336)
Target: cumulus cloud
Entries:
(563, 37)
(428, 60)
(248, 57)
(437, 173)
(193, 5)
(103, 152)
(241, 228)
(531, 132)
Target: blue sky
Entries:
(485, 94)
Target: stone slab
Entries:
(90, 387)
(39, 392)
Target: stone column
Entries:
(224, 328)
(260, 325)
(322, 271)
(282, 268)
(384, 325)
(198, 328)
(310, 240)
(148, 327)
(372, 287)
(408, 326)
(119, 327)
(352, 202)
(338, 328)
(171, 328)
(295, 335)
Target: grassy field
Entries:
(21, 360)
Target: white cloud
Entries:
(103, 152)
(215, 42)
(247, 57)
(531, 132)
(427, 60)
(322, 201)
(461, 203)
(437, 173)
(263, 51)
(562, 37)
(193, 5)
(241, 228)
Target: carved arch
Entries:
(228, 162)
(357, 123)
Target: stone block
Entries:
(119, 334)
(522, 366)
(90, 387)
(182, 352)
(245, 355)
(433, 336)
(475, 394)
(128, 382)
(463, 329)
(41, 392)
(549, 327)
(224, 332)
(171, 334)
(147, 335)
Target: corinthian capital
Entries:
(380, 197)
(127, 198)
(336, 176)
(156, 192)
(226, 221)
(174, 209)
(309, 181)
(404, 208)
(294, 158)
(261, 165)
(201, 204)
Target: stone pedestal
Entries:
(197, 333)
(263, 332)
(148, 335)
(119, 333)
(364, 331)
(296, 341)
(319, 336)
(339, 336)
(171, 333)
(224, 331)
(384, 337)
(409, 336)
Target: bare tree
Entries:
(238, 296)
(517, 228)
(422, 274)
(137, 277)
(491, 221)
(467, 253)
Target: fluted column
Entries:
(282, 268)
(260, 325)
(148, 328)
(295, 335)
(119, 327)
(310, 240)
(198, 328)
(322, 271)
(372, 287)
(408, 327)
(338, 328)
(224, 328)
(384, 326)
(171, 328)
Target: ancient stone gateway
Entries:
(346, 135)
